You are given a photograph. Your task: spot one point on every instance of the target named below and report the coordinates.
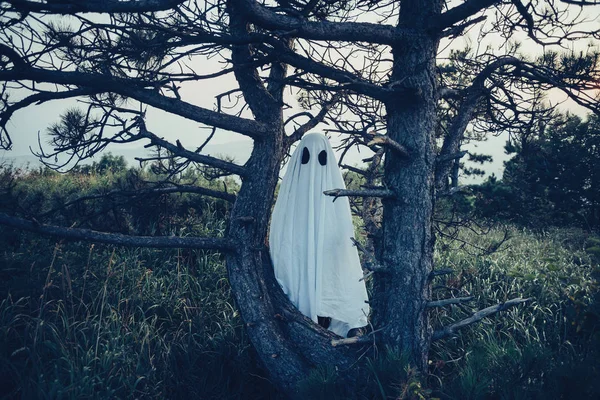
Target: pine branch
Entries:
(142, 91)
(450, 330)
(230, 197)
(88, 235)
(448, 157)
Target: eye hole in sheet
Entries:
(305, 156)
(323, 157)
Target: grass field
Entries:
(79, 320)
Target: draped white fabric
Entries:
(314, 259)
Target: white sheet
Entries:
(314, 259)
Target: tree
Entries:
(552, 178)
(378, 76)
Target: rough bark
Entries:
(407, 243)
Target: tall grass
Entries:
(90, 321)
(547, 349)
(129, 324)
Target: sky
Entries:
(27, 124)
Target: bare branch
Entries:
(92, 6)
(351, 340)
(447, 302)
(314, 121)
(372, 265)
(136, 89)
(478, 316)
(180, 151)
(386, 141)
(230, 197)
(459, 13)
(88, 235)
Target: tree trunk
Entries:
(287, 343)
(407, 243)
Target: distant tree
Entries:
(369, 67)
(553, 177)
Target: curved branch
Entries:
(138, 90)
(88, 235)
(258, 98)
(459, 124)
(347, 79)
(40, 98)
(314, 121)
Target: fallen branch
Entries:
(88, 235)
(447, 302)
(478, 316)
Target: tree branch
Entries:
(38, 98)
(321, 30)
(314, 121)
(347, 80)
(88, 235)
(180, 151)
(478, 316)
(93, 6)
(373, 265)
(258, 98)
(136, 89)
(447, 302)
(458, 14)
(448, 157)
(230, 197)
(459, 124)
(384, 140)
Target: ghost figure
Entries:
(314, 259)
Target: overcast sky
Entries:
(25, 125)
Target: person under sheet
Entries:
(314, 259)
